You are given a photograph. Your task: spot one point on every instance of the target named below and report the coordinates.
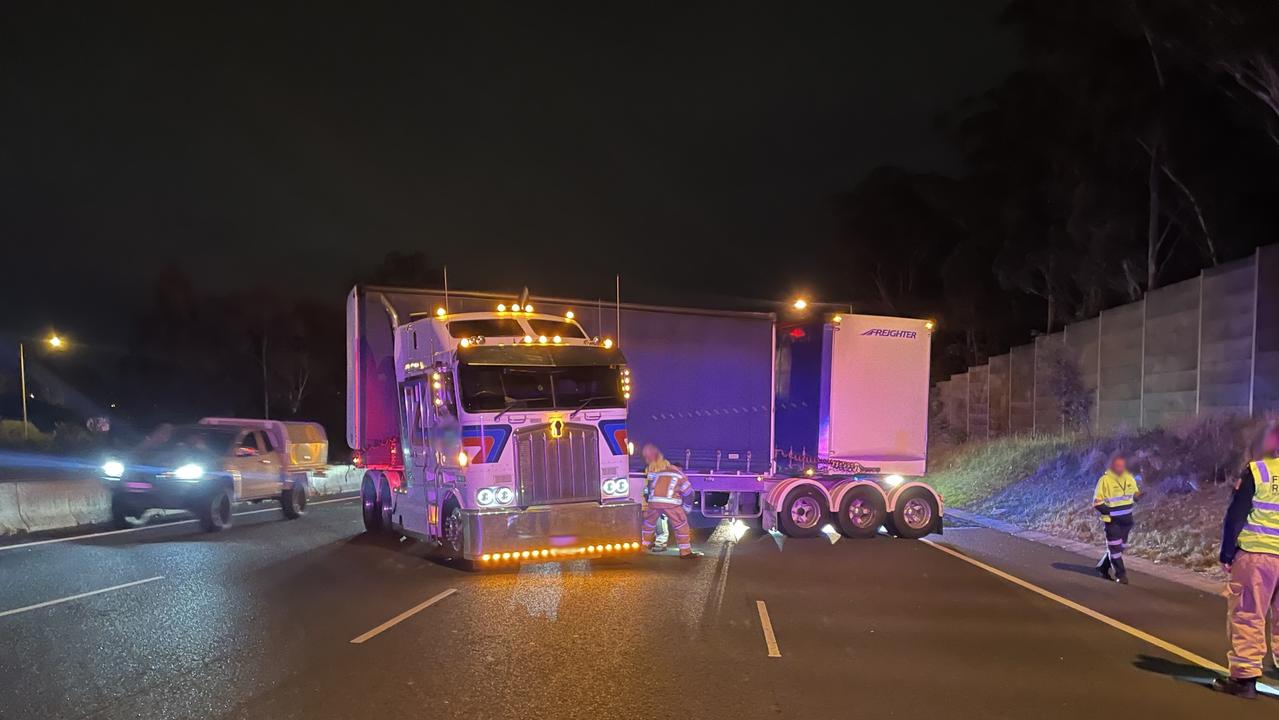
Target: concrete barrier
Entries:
(36, 505)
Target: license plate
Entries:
(137, 485)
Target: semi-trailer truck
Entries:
(503, 427)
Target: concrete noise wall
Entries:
(1206, 345)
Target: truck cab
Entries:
(512, 442)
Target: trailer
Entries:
(504, 426)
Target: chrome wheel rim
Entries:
(860, 513)
(917, 513)
(805, 512)
(453, 530)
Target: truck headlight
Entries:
(113, 469)
(616, 486)
(485, 497)
(190, 471)
(504, 496)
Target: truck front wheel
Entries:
(121, 511)
(452, 532)
(369, 506)
(803, 512)
(861, 512)
(915, 514)
(215, 513)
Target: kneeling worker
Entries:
(1250, 556)
(1116, 492)
(665, 489)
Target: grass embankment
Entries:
(1046, 484)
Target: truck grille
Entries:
(557, 470)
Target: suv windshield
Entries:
(492, 388)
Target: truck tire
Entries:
(915, 514)
(803, 513)
(121, 511)
(452, 531)
(215, 513)
(861, 512)
(293, 500)
(369, 507)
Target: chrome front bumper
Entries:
(549, 527)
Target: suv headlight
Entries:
(190, 471)
(113, 469)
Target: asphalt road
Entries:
(257, 622)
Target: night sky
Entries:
(682, 145)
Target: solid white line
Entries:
(402, 617)
(1164, 645)
(769, 639)
(105, 533)
(69, 598)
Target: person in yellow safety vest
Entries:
(655, 462)
(665, 488)
(1114, 497)
(1250, 556)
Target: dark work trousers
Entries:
(1116, 541)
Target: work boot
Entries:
(1239, 687)
(1104, 572)
(689, 556)
(657, 548)
(1122, 579)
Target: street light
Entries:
(54, 341)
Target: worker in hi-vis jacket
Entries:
(1250, 556)
(1114, 498)
(665, 487)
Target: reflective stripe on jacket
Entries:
(667, 485)
(1115, 495)
(1261, 533)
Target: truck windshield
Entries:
(492, 388)
(200, 438)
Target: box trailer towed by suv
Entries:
(504, 427)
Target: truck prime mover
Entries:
(505, 427)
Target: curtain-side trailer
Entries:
(800, 422)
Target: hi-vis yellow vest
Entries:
(1117, 492)
(1261, 534)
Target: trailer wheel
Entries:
(861, 512)
(369, 508)
(215, 513)
(803, 512)
(915, 514)
(293, 500)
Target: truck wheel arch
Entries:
(897, 493)
(842, 489)
(779, 491)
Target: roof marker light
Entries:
(501, 307)
(569, 315)
(528, 308)
(799, 304)
(528, 338)
(440, 312)
(608, 342)
(557, 339)
(541, 339)
(929, 325)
